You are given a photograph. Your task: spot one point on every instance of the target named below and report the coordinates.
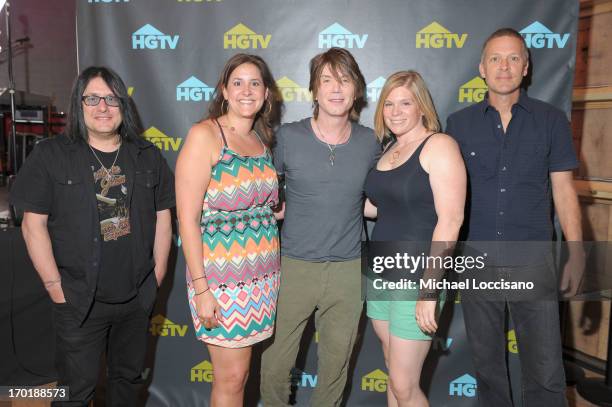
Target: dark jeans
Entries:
(118, 329)
(536, 324)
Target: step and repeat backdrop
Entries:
(170, 54)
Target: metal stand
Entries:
(11, 140)
(599, 391)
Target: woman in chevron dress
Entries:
(226, 188)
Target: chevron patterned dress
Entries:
(241, 249)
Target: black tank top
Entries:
(404, 200)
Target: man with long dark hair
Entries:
(97, 227)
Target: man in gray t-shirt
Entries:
(323, 219)
(325, 160)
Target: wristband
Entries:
(203, 291)
(49, 283)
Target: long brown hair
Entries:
(339, 61)
(269, 115)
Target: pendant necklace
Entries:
(108, 171)
(395, 155)
(331, 147)
(231, 127)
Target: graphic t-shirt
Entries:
(116, 281)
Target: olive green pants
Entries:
(333, 291)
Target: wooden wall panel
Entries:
(582, 50)
(586, 322)
(592, 128)
(595, 221)
(593, 53)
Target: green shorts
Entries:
(401, 317)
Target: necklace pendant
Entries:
(332, 157)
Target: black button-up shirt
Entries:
(509, 196)
(57, 180)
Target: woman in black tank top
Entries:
(417, 193)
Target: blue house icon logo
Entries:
(149, 37)
(537, 35)
(373, 89)
(194, 90)
(337, 36)
(464, 386)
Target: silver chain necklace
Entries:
(332, 148)
(108, 171)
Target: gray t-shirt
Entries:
(323, 216)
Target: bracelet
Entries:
(199, 278)
(49, 283)
(203, 291)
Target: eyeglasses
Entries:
(93, 100)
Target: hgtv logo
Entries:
(242, 37)
(464, 386)
(194, 90)
(202, 372)
(149, 37)
(436, 36)
(292, 92)
(537, 35)
(375, 381)
(161, 326)
(303, 379)
(472, 91)
(337, 36)
(162, 141)
(512, 342)
(373, 89)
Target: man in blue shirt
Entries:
(518, 152)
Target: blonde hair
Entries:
(413, 81)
